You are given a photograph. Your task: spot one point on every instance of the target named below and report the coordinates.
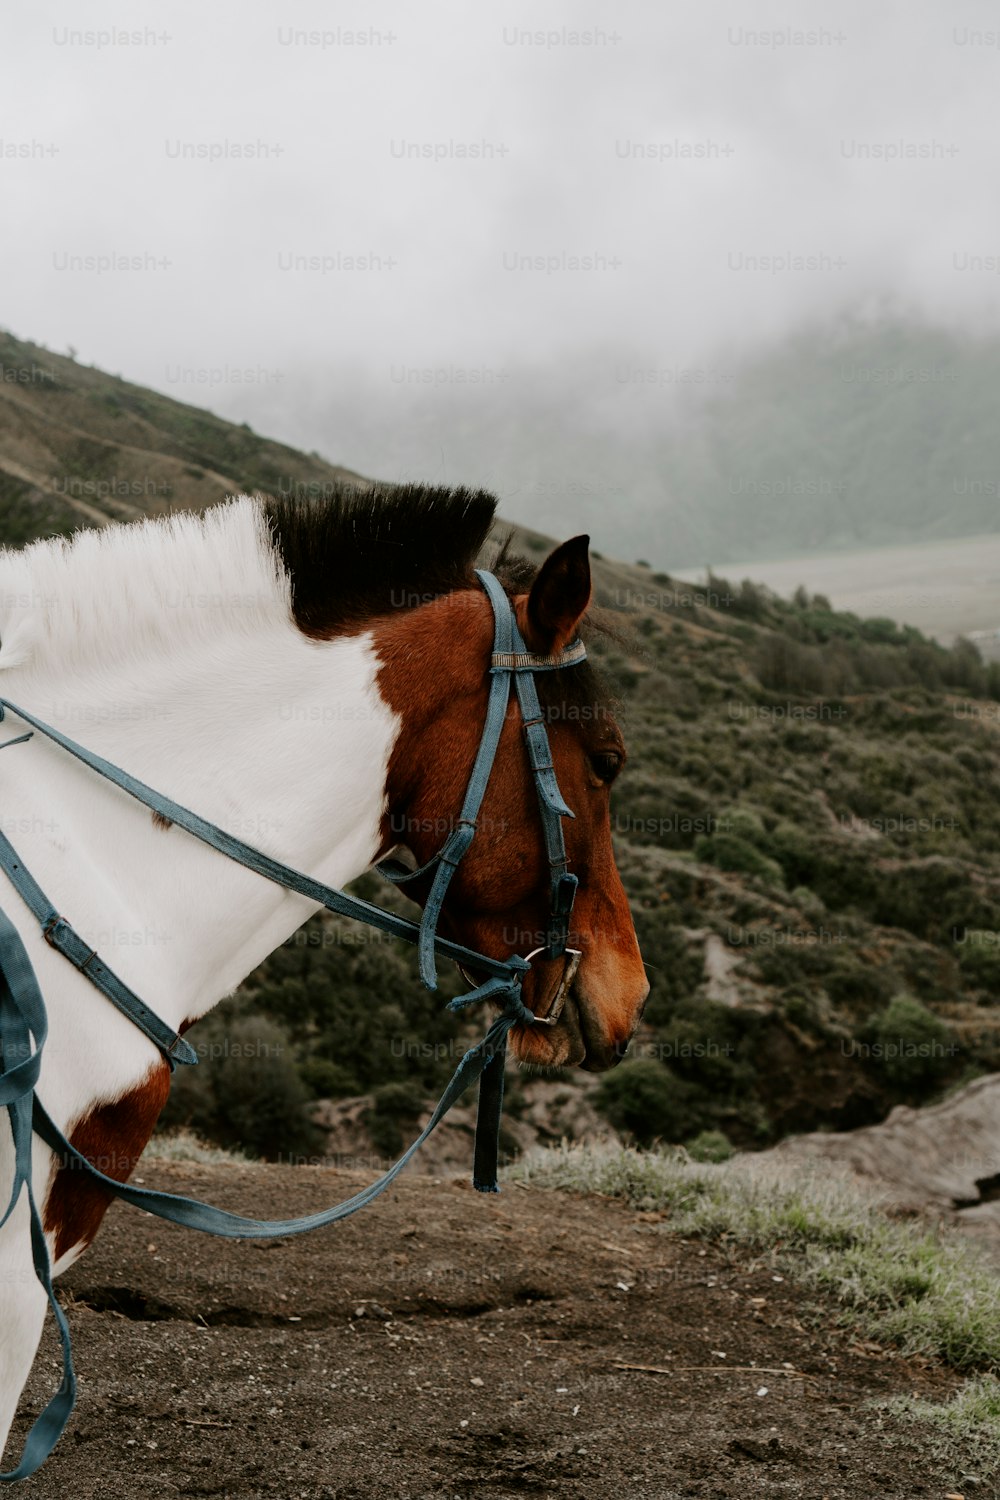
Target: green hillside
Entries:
(841, 437)
(807, 826)
(814, 865)
(79, 447)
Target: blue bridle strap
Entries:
(510, 658)
(327, 896)
(61, 936)
(23, 1023)
(23, 1029)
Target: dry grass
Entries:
(925, 1291)
(184, 1145)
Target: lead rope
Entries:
(22, 1019)
(23, 1028)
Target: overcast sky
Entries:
(462, 190)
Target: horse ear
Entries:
(559, 596)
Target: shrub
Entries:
(728, 851)
(645, 1101)
(980, 962)
(395, 1105)
(913, 1046)
(246, 1091)
(710, 1145)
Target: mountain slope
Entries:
(79, 447)
(846, 436)
(806, 828)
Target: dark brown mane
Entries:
(355, 554)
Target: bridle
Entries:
(24, 1024)
(510, 659)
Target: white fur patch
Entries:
(108, 594)
(169, 647)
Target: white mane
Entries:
(113, 594)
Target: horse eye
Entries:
(606, 765)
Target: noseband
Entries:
(24, 1024)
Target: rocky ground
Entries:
(446, 1344)
(943, 1159)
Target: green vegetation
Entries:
(709, 1145)
(247, 1091)
(648, 1102)
(909, 1040)
(806, 828)
(25, 515)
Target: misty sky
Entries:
(519, 256)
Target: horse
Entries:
(315, 673)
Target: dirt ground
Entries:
(448, 1344)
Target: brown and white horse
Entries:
(312, 679)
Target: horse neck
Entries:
(283, 741)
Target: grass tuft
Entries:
(184, 1145)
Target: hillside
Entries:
(845, 436)
(842, 437)
(815, 878)
(805, 827)
(79, 447)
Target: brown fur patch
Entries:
(161, 821)
(111, 1137)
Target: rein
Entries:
(24, 1025)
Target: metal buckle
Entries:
(555, 1010)
(572, 957)
(53, 921)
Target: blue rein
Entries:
(23, 1022)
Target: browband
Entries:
(530, 661)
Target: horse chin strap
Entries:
(23, 1021)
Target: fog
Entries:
(488, 245)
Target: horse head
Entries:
(435, 675)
